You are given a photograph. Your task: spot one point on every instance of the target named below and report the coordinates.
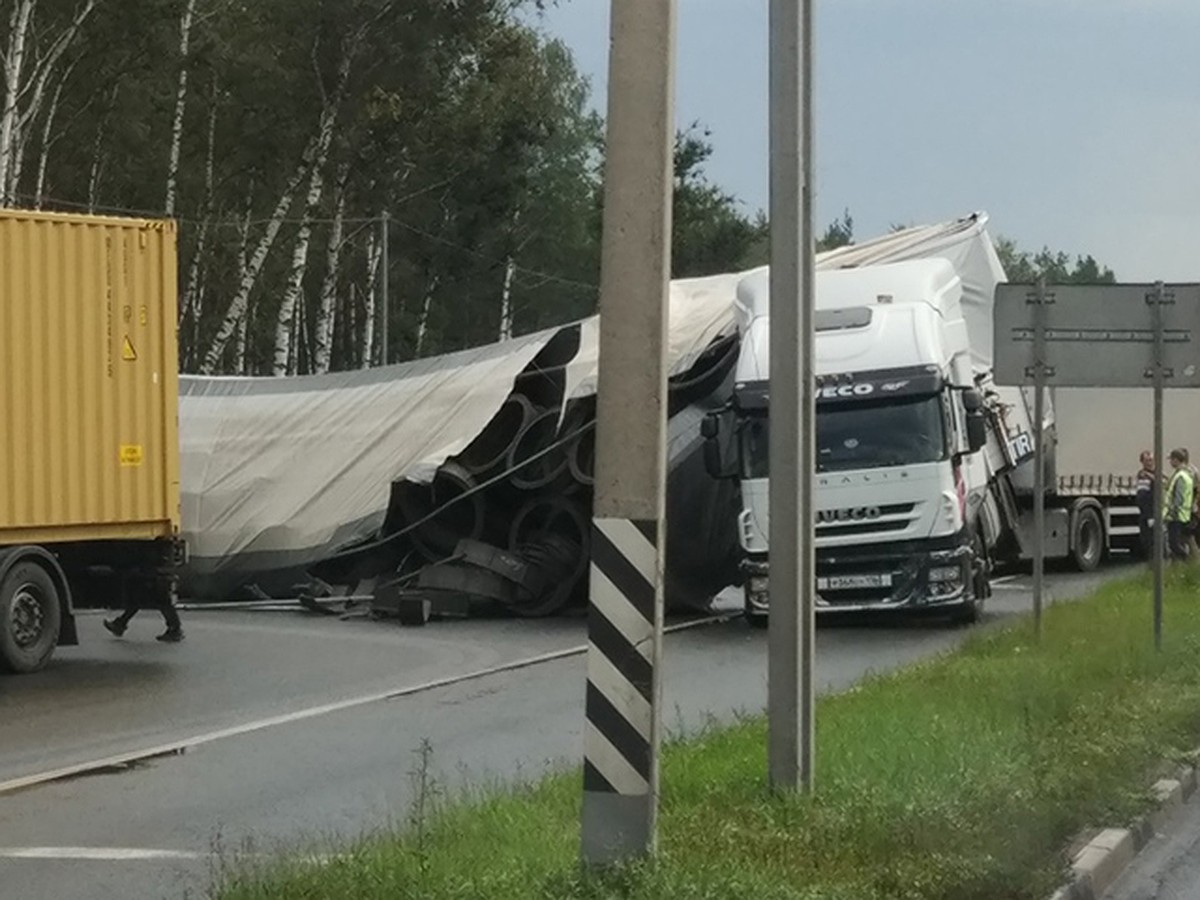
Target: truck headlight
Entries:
(943, 574)
(759, 584)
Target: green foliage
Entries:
(1024, 267)
(961, 778)
(466, 124)
(840, 233)
(710, 235)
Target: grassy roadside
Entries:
(962, 777)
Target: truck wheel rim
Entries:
(1089, 537)
(27, 616)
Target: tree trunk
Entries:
(366, 345)
(506, 322)
(327, 309)
(16, 120)
(185, 34)
(240, 303)
(14, 64)
(423, 324)
(285, 325)
(241, 364)
(192, 302)
(48, 141)
(97, 169)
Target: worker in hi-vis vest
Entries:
(1177, 506)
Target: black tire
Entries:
(1087, 539)
(30, 618)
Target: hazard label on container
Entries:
(131, 454)
(128, 353)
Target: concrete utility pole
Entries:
(625, 613)
(790, 695)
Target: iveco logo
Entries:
(833, 392)
(849, 514)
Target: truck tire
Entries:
(979, 586)
(1087, 539)
(30, 618)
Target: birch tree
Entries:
(366, 340)
(327, 305)
(238, 306)
(185, 35)
(28, 68)
(285, 330)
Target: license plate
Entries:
(852, 582)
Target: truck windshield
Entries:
(860, 436)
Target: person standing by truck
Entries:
(1145, 501)
(1177, 507)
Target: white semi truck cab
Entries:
(904, 447)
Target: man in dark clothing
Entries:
(162, 594)
(1145, 502)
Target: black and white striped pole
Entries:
(625, 613)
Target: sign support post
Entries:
(790, 639)
(1039, 453)
(1156, 300)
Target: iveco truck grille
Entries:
(866, 520)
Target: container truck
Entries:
(924, 466)
(89, 450)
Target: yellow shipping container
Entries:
(89, 447)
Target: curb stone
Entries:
(1100, 861)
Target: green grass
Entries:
(962, 777)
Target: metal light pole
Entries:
(625, 609)
(1157, 299)
(1039, 456)
(790, 694)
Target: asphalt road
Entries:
(290, 742)
(1168, 868)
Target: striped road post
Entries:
(621, 731)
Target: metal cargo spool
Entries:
(456, 510)
(530, 468)
(553, 535)
(491, 448)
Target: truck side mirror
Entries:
(976, 430)
(720, 460)
(976, 419)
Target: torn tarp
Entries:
(280, 472)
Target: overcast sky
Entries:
(1073, 123)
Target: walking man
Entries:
(161, 597)
(1177, 507)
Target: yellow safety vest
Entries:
(1189, 496)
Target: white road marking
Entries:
(120, 760)
(1003, 579)
(120, 854)
(1005, 586)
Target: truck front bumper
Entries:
(929, 574)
